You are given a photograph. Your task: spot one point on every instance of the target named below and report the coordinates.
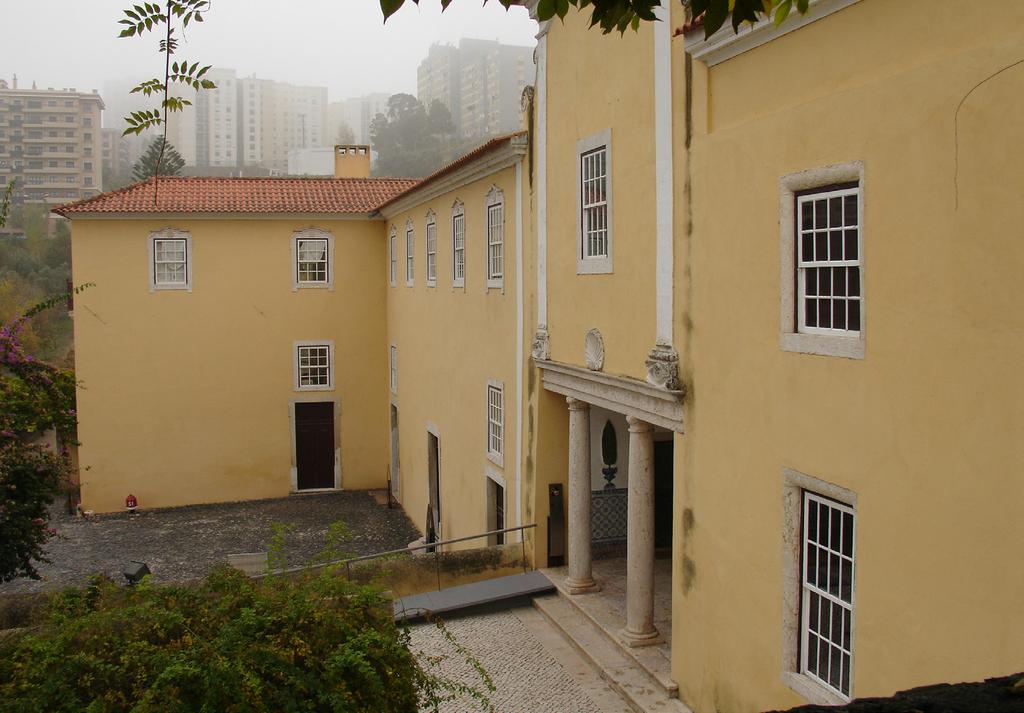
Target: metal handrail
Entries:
(438, 543)
(434, 549)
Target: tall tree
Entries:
(409, 140)
(158, 160)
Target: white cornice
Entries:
(726, 44)
(492, 162)
(631, 397)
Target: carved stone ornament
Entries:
(526, 99)
(593, 350)
(541, 348)
(663, 368)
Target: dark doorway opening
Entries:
(495, 511)
(663, 495)
(434, 482)
(394, 478)
(314, 445)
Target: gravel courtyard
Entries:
(187, 542)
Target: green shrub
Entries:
(226, 644)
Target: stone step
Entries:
(643, 693)
(608, 619)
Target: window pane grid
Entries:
(394, 368)
(431, 240)
(170, 262)
(495, 242)
(459, 247)
(827, 583)
(594, 192)
(315, 365)
(312, 260)
(828, 262)
(495, 420)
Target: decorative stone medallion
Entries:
(663, 368)
(593, 350)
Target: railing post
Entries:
(437, 569)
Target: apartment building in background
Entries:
(480, 81)
(50, 142)
(356, 113)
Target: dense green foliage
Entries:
(620, 15)
(159, 159)
(414, 140)
(227, 644)
(35, 264)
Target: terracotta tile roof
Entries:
(191, 194)
(482, 150)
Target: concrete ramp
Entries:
(499, 592)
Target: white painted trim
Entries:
(294, 471)
(520, 364)
(393, 368)
(663, 174)
(631, 397)
(790, 338)
(393, 256)
(726, 44)
(486, 165)
(312, 233)
(329, 343)
(410, 254)
(170, 234)
(458, 208)
(794, 483)
(594, 265)
(495, 197)
(541, 194)
(430, 220)
(497, 458)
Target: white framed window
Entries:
(312, 259)
(828, 261)
(495, 238)
(594, 204)
(170, 260)
(819, 588)
(314, 366)
(393, 367)
(826, 610)
(393, 256)
(458, 245)
(496, 421)
(821, 245)
(430, 244)
(410, 253)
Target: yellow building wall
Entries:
(450, 341)
(597, 82)
(184, 396)
(926, 429)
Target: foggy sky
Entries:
(341, 44)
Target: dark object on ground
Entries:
(994, 695)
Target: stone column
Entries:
(640, 629)
(581, 578)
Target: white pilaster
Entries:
(519, 347)
(541, 349)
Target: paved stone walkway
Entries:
(187, 542)
(532, 667)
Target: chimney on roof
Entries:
(352, 161)
(15, 82)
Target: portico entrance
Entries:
(645, 407)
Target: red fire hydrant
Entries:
(131, 502)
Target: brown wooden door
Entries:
(314, 445)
